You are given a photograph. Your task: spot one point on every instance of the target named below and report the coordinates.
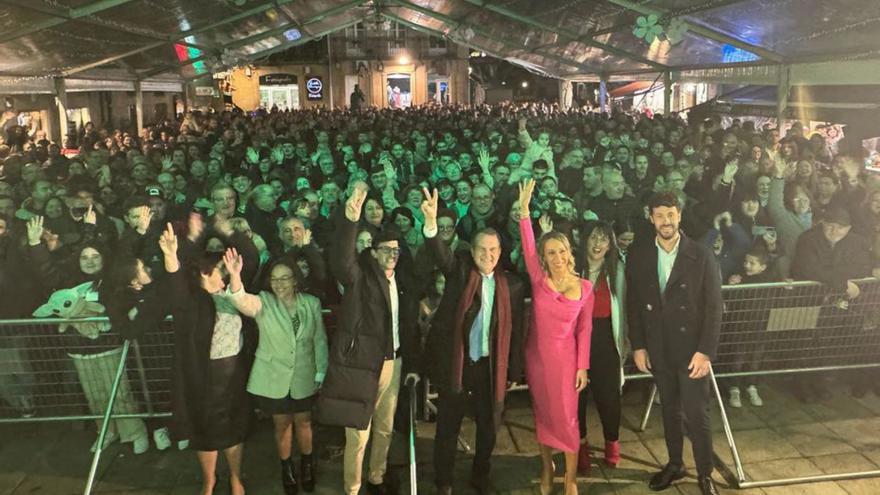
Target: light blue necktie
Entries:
(476, 337)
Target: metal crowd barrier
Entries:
(790, 328)
(767, 329)
(49, 375)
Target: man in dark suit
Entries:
(674, 310)
(376, 341)
(474, 346)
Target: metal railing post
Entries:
(647, 415)
(142, 375)
(413, 479)
(728, 431)
(106, 421)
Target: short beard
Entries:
(667, 238)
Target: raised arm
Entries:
(250, 257)
(522, 134)
(343, 262)
(442, 255)
(530, 253)
(247, 304)
(775, 201)
(484, 161)
(178, 294)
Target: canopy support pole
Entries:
(60, 109)
(330, 70)
(667, 93)
(782, 89)
(603, 93)
(139, 106)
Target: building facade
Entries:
(393, 65)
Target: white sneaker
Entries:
(141, 444)
(735, 400)
(754, 398)
(161, 438)
(183, 445)
(109, 438)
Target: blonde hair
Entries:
(555, 236)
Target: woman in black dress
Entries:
(209, 397)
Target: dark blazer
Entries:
(687, 317)
(360, 343)
(194, 315)
(457, 267)
(815, 259)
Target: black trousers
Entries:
(685, 399)
(604, 382)
(476, 397)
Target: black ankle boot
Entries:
(307, 471)
(288, 477)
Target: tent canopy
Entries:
(572, 39)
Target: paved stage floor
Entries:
(782, 439)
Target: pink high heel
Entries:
(612, 453)
(583, 467)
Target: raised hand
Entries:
(167, 163)
(356, 202)
(196, 225)
(168, 242)
(525, 196)
(252, 155)
(90, 217)
(546, 224)
(145, 216)
(484, 159)
(429, 206)
(306, 238)
(233, 262)
(778, 163)
(35, 230)
(277, 155)
(53, 242)
(730, 170)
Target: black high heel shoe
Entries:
(307, 471)
(288, 478)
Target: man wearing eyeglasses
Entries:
(474, 345)
(376, 342)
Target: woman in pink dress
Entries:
(558, 346)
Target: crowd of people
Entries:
(416, 225)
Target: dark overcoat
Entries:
(687, 317)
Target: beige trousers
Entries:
(381, 426)
(96, 375)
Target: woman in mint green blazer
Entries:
(291, 360)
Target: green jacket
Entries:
(285, 365)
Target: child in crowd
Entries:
(751, 349)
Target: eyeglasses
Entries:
(388, 250)
(446, 228)
(288, 278)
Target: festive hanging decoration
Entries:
(648, 28)
(675, 30)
